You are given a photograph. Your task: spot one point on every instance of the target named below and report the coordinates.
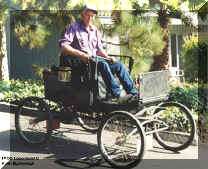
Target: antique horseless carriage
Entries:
(79, 91)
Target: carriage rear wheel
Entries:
(33, 121)
(177, 128)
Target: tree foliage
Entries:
(37, 25)
(195, 59)
(141, 38)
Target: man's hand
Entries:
(112, 59)
(85, 58)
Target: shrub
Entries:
(141, 38)
(192, 95)
(13, 90)
(4, 86)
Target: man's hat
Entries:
(91, 7)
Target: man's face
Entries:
(87, 17)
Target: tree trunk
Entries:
(4, 71)
(160, 62)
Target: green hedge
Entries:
(192, 95)
(14, 90)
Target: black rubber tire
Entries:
(122, 162)
(90, 124)
(189, 126)
(33, 105)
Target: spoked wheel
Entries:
(30, 121)
(176, 128)
(90, 121)
(121, 140)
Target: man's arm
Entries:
(102, 53)
(74, 52)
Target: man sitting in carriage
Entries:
(82, 41)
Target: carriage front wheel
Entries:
(33, 121)
(121, 140)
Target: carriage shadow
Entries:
(59, 147)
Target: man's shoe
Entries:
(119, 99)
(125, 98)
(122, 99)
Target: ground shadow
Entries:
(158, 149)
(59, 152)
(58, 147)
